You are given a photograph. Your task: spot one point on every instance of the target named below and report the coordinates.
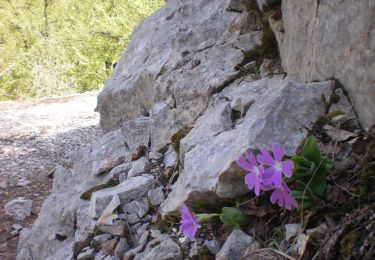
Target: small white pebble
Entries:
(182, 239)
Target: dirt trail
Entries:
(35, 137)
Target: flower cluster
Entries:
(266, 173)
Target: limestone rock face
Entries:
(279, 112)
(173, 65)
(323, 39)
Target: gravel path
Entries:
(35, 137)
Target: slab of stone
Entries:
(121, 248)
(235, 246)
(127, 191)
(19, 208)
(166, 250)
(279, 112)
(142, 165)
(156, 196)
(138, 207)
(117, 229)
(213, 246)
(87, 253)
(119, 170)
(142, 229)
(132, 218)
(170, 157)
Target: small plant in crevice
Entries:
(177, 137)
(309, 175)
(190, 222)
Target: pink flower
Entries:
(277, 166)
(282, 195)
(255, 172)
(189, 222)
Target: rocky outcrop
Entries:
(323, 39)
(55, 227)
(174, 64)
(192, 66)
(272, 111)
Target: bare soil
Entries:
(35, 137)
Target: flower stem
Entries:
(207, 217)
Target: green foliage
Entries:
(54, 47)
(367, 181)
(309, 174)
(268, 49)
(233, 217)
(177, 137)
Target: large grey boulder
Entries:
(173, 64)
(279, 112)
(323, 39)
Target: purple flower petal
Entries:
(267, 176)
(282, 195)
(250, 180)
(265, 187)
(251, 158)
(276, 178)
(244, 164)
(287, 168)
(278, 152)
(265, 158)
(189, 223)
(189, 230)
(257, 186)
(276, 196)
(186, 214)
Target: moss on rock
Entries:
(110, 183)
